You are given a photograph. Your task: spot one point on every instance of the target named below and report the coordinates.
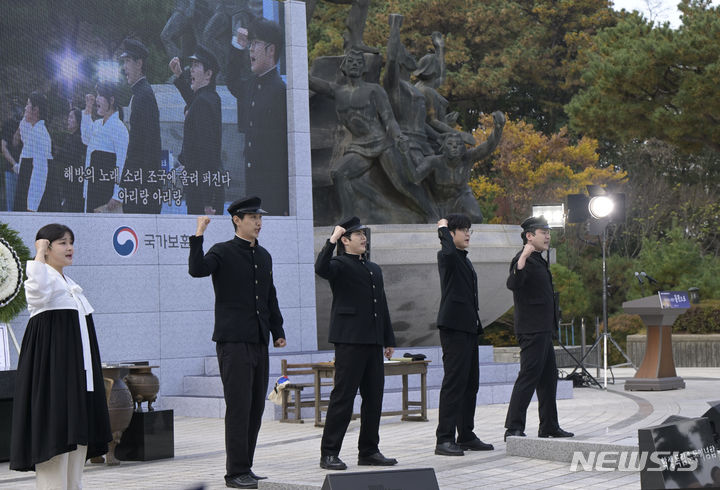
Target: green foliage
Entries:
(574, 296)
(17, 305)
(702, 318)
(620, 326)
(650, 81)
(500, 333)
(523, 58)
(677, 263)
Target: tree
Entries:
(521, 57)
(650, 81)
(531, 168)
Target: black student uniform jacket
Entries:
(262, 117)
(144, 147)
(246, 306)
(533, 296)
(359, 313)
(458, 285)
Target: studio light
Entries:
(68, 66)
(553, 213)
(601, 206)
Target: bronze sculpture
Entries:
(356, 168)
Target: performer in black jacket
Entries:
(254, 80)
(144, 150)
(246, 313)
(202, 131)
(359, 327)
(535, 321)
(459, 324)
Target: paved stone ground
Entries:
(289, 453)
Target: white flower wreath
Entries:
(11, 273)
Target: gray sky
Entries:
(659, 10)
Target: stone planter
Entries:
(689, 350)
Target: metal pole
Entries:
(604, 297)
(582, 338)
(597, 352)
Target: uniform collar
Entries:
(139, 83)
(268, 75)
(244, 243)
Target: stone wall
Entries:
(689, 350)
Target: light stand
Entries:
(605, 335)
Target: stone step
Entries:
(433, 354)
(214, 406)
(489, 373)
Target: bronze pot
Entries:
(143, 385)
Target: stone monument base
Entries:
(408, 257)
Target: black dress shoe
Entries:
(376, 459)
(241, 481)
(556, 433)
(513, 433)
(257, 477)
(332, 463)
(475, 445)
(448, 449)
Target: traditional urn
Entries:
(120, 409)
(143, 385)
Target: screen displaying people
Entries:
(100, 128)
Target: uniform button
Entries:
(375, 315)
(257, 297)
(371, 273)
(256, 266)
(259, 86)
(251, 123)
(249, 144)
(252, 104)
(373, 286)
(249, 164)
(374, 301)
(256, 282)
(257, 311)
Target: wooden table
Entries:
(414, 410)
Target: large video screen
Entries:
(142, 106)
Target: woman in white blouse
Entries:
(107, 142)
(60, 414)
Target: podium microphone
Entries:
(639, 278)
(650, 279)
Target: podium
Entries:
(657, 371)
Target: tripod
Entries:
(605, 334)
(579, 364)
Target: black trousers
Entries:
(458, 394)
(22, 187)
(538, 371)
(356, 366)
(244, 373)
(99, 191)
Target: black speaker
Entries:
(713, 415)
(577, 208)
(412, 479)
(678, 454)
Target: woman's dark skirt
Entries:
(53, 412)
